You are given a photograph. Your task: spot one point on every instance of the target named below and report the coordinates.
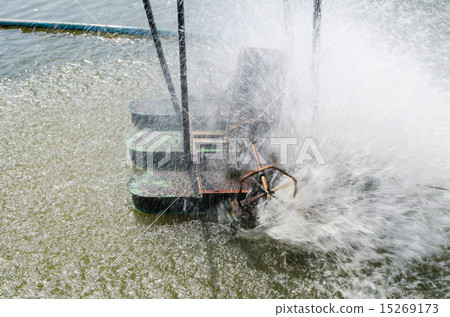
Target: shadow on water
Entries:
(207, 219)
(172, 219)
(290, 271)
(293, 272)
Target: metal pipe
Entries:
(183, 79)
(316, 47)
(82, 27)
(317, 16)
(162, 59)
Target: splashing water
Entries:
(383, 195)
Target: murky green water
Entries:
(68, 226)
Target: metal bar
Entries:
(82, 27)
(317, 16)
(183, 79)
(263, 177)
(162, 59)
(316, 46)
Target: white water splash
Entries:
(384, 134)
